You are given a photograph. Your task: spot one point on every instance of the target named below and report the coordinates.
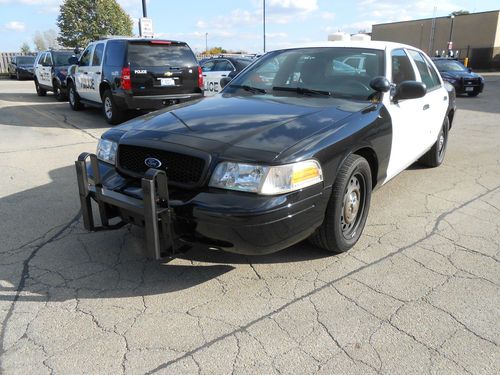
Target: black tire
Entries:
(339, 232)
(58, 93)
(17, 76)
(74, 99)
(39, 90)
(474, 93)
(435, 156)
(111, 112)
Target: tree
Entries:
(81, 21)
(215, 51)
(25, 48)
(459, 12)
(40, 44)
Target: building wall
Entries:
(476, 33)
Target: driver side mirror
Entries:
(409, 90)
(380, 84)
(224, 81)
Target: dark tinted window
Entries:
(61, 58)
(402, 70)
(208, 66)
(25, 59)
(223, 66)
(424, 70)
(149, 54)
(48, 59)
(115, 53)
(243, 63)
(85, 59)
(97, 58)
(449, 66)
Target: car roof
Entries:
(371, 44)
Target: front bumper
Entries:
(152, 102)
(231, 221)
(463, 86)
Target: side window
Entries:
(48, 59)
(424, 70)
(85, 59)
(42, 59)
(114, 54)
(402, 70)
(208, 66)
(223, 66)
(98, 52)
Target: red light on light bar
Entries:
(160, 42)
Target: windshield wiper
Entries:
(303, 90)
(250, 88)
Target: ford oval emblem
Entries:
(152, 163)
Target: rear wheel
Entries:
(348, 207)
(435, 156)
(17, 75)
(39, 90)
(74, 99)
(111, 112)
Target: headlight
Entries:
(266, 180)
(106, 151)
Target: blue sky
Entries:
(237, 25)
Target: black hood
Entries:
(459, 74)
(225, 124)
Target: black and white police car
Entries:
(290, 149)
(50, 72)
(216, 68)
(124, 74)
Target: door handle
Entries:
(445, 98)
(98, 73)
(426, 107)
(85, 72)
(204, 75)
(223, 75)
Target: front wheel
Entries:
(58, 93)
(111, 112)
(348, 207)
(39, 90)
(74, 98)
(435, 156)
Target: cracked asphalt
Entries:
(419, 294)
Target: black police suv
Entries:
(123, 74)
(216, 68)
(270, 162)
(21, 67)
(50, 72)
(462, 78)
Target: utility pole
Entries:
(433, 31)
(450, 41)
(206, 42)
(264, 22)
(144, 10)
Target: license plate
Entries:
(167, 82)
(469, 89)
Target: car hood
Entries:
(26, 66)
(269, 124)
(462, 74)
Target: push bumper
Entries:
(234, 222)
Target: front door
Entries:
(407, 117)
(94, 73)
(84, 82)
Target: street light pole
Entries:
(264, 22)
(206, 42)
(450, 42)
(144, 10)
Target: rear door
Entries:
(209, 77)
(162, 68)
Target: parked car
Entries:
(21, 67)
(269, 163)
(214, 69)
(462, 78)
(51, 70)
(124, 74)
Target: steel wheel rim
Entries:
(441, 142)
(108, 108)
(71, 96)
(353, 205)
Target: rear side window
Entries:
(115, 53)
(223, 66)
(149, 54)
(424, 69)
(98, 52)
(208, 66)
(402, 70)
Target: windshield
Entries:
(449, 66)
(155, 55)
(313, 71)
(61, 58)
(25, 60)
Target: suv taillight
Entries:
(200, 78)
(125, 81)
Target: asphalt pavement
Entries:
(419, 293)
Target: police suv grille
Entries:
(181, 168)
